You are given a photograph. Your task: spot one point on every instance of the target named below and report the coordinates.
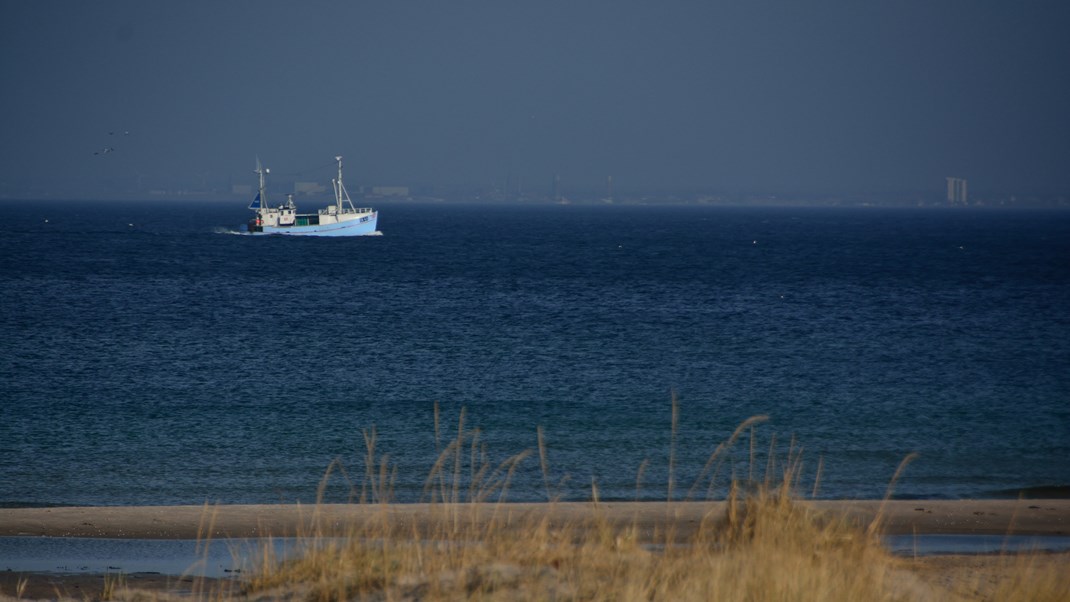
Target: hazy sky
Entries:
(744, 95)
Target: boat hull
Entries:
(354, 227)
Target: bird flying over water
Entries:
(109, 149)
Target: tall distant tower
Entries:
(957, 191)
(557, 188)
(609, 189)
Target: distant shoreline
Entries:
(769, 201)
(652, 519)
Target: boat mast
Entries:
(338, 189)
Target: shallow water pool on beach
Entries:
(933, 545)
(218, 558)
(233, 558)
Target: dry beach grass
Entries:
(762, 547)
(765, 548)
(763, 542)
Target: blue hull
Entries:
(350, 228)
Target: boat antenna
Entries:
(260, 171)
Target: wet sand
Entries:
(898, 517)
(87, 586)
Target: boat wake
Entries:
(223, 230)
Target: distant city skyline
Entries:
(128, 99)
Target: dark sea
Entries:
(148, 355)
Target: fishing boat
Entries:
(339, 219)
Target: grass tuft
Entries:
(113, 583)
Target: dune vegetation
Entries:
(765, 546)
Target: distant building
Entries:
(402, 191)
(957, 191)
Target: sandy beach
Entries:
(655, 521)
(898, 517)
